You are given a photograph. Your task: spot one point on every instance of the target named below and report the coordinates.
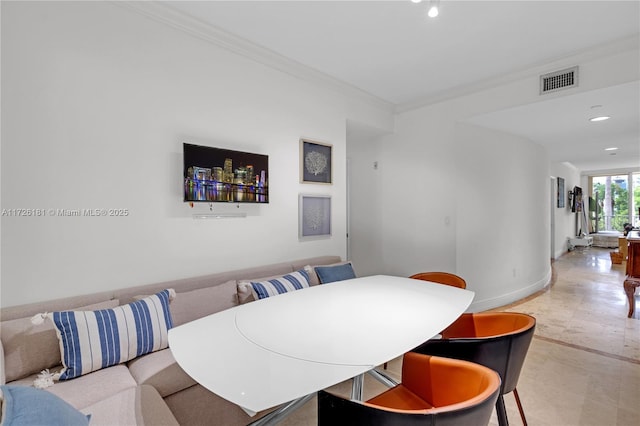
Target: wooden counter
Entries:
(632, 280)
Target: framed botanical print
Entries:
(314, 219)
(315, 162)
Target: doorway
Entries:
(552, 221)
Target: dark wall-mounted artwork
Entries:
(560, 193)
(576, 205)
(315, 162)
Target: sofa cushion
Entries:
(314, 261)
(137, 406)
(90, 388)
(94, 387)
(30, 348)
(204, 281)
(339, 272)
(160, 370)
(284, 284)
(199, 406)
(199, 303)
(27, 406)
(91, 340)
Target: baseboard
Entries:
(506, 299)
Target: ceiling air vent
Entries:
(559, 80)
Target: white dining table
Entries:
(276, 350)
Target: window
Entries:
(615, 201)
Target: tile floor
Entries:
(583, 366)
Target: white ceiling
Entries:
(393, 51)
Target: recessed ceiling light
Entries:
(433, 8)
(600, 118)
(613, 148)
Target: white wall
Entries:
(96, 103)
(459, 198)
(365, 199)
(502, 237)
(565, 220)
(97, 100)
(419, 194)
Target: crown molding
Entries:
(163, 13)
(626, 44)
(167, 15)
(612, 171)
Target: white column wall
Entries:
(503, 234)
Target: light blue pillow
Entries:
(273, 287)
(92, 340)
(329, 274)
(27, 406)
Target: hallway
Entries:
(583, 366)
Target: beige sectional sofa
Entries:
(151, 389)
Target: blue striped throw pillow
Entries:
(91, 340)
(273, 287)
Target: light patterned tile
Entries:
(627, 417)
(596, 413)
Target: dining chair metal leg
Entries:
(357, 387)
(383, 378)
(501, 411)
(276, 416)
(515, 394)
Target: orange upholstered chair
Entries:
(442, 278)
(433, 391)
(498, 340)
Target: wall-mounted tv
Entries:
(222, 175)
